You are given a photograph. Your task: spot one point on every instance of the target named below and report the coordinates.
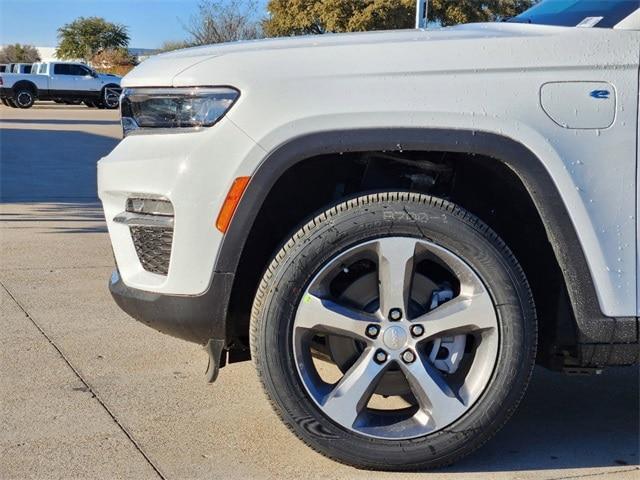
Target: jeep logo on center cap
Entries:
(395, 337)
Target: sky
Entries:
(150, 22)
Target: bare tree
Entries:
(18, 53)
(171, 45)
(220, 21)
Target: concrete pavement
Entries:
(47, 156)
(86, 392)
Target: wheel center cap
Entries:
(395, 337)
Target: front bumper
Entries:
(194, 172)
(197, 318)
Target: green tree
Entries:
(451, 12)
(18, 53)
(300, 17)
(86, 36)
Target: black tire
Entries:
(352, 223)
(24, 97)
(11, 103)
(4, 102)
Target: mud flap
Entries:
(217, 359)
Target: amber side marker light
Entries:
(231, 203)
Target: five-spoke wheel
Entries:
(395, 331)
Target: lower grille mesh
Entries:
(153, 246)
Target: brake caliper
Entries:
(447, 352)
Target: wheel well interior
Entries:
(482, 185)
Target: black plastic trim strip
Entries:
(193, 318)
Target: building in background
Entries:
(47, 54)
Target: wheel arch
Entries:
(111, 85)
(593, 326)
(25, 84)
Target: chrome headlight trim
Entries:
(147, 110)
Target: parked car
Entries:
(64, 81)
(394, 226)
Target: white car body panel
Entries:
(194, 172)
(485, 77)
(10, 79)
(61, 82)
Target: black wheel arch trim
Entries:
(594, 326)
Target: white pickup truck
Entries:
(61, 81)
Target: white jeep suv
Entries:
(394, 226)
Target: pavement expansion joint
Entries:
(93, 392)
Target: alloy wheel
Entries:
(395, 338)
(24, 98)
(111, 98)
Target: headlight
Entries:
(148, 110)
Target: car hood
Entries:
(160, 70)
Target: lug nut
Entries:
(408, 356)
(372, 331)
(381, 356)
(395, 314)
(417, 330)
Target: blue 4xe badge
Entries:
(601, 94)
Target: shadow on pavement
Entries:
(567, 422)
(58, 218)
(50, 165)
